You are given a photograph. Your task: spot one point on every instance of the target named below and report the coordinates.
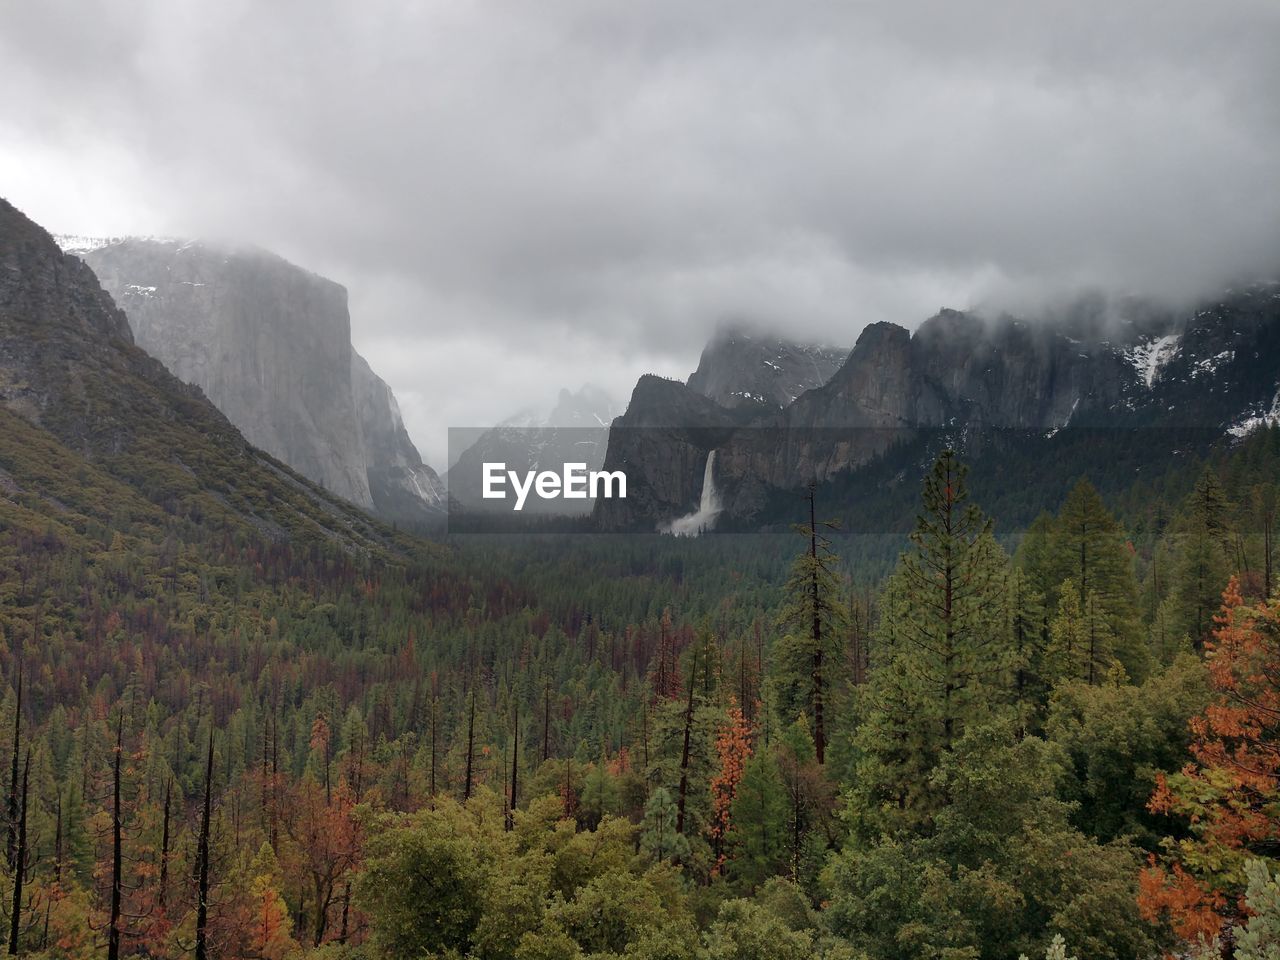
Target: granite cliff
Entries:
(964, 380)
(270, 345)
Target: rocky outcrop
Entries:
(963, 379)
(762, 373)
(270, 344)
(400, 484)
(661, 443)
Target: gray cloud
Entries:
(521, 196)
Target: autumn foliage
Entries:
(733, 749)
(1228, 793)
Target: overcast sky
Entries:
(523, 195)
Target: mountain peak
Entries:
(741, 369)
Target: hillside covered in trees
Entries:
(221, 744)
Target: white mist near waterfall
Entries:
(704, 518)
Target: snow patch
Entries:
(1147, 358)
(76, 243)
(1264, 419)
(79, 243)
(1210, 364)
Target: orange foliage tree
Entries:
(1229, 794)
(324, 850)
(733, 748)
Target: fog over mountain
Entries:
(524, 195)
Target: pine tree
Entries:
(1265, 499)
(658, 833)
(1026, 629)
(950, 656)
(1210, 509)
(1201, 573)
(1081, 645)
(815, 615)
(956, 648)
(1090, 550)
(758, 832)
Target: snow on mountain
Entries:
(1267, 418)
(1147, 358)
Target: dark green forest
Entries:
(964, 741)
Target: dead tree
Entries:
(202, 861)
(20, 863)
(117, 850)
(11, 804)
(471, 731)
(515, 766)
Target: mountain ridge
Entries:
(964, 378)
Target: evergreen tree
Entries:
(1210, 509)
(1090, 550)
(1201, 574)
(1081, 643)
(1025, 614)
(758, 830)
(658, 834)
(815, 615)
(952, 657)
(954, 578)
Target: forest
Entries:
(972, 742)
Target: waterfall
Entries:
(704, 518)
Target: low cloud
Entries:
(524, 196)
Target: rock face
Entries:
(961, 379)
(70, 369)
(270, 344)
(662, 443)
(400, 484)
(739, 369)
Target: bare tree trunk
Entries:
(819, 728)
(434, 704)
(684, 756)
(57, 843)
(164, 843)
(546, 722)
(117, 858)
(471, 730)
(202, 861)
(275, 783)
(11, 846)
(515, 766)
(20, 865)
